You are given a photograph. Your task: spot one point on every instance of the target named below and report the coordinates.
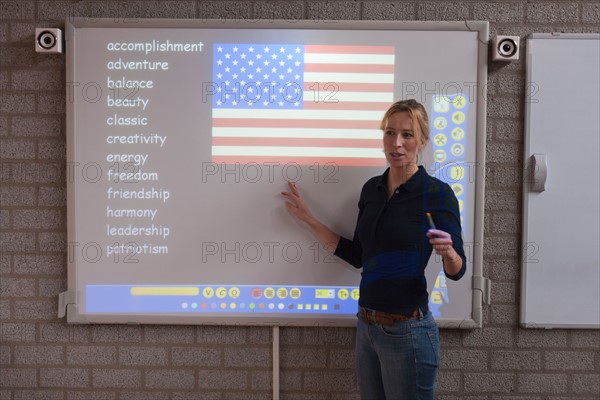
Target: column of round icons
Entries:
(449, 119)
(443, 118)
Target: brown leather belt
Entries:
(384, 318)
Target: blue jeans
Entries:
(397, 362)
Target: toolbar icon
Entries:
(208, 292)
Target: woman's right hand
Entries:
(296, 205)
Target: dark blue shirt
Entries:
(390, 242)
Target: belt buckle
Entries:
(365, 315)
(370, 315)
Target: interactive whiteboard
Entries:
(182, 134)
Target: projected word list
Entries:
(137, 195)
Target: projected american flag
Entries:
(300, 103)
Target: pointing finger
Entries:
(293, 187)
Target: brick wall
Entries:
(41, 357)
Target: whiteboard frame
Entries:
(480, 285)
(527, 317)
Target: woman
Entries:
(397, 340)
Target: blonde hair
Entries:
(417, 114)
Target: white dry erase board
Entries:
(561, 200)
(183, 133)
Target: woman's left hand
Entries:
(441, 242)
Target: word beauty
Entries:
(137, 102)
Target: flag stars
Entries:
(261, 77)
